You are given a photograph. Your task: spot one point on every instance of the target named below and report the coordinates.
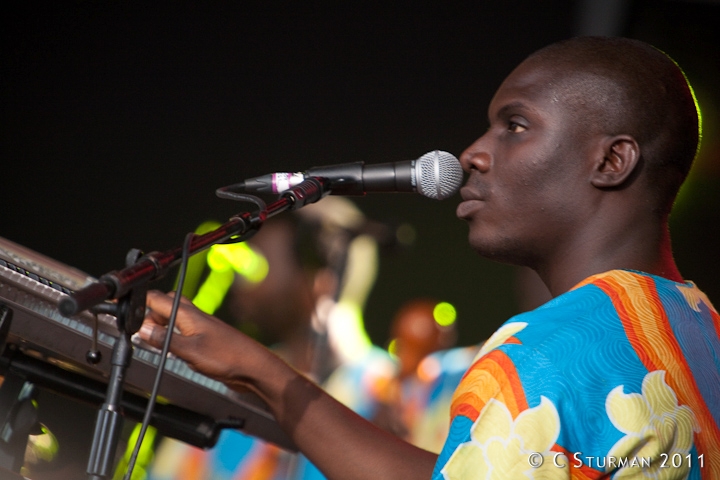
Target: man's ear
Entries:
(325, 283)
(620, 156)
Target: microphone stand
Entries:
(129, 311)
(129, 287)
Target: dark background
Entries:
(120, 119)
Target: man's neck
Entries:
(643, 249)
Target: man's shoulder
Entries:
(600, 297)
(580, 327)
(576, 309)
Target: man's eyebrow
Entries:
(503, 111)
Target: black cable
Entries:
(163, 357)
(235, 192)
(231, 192)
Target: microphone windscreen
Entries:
(438, 174)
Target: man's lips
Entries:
(469, 192)
(472, 200)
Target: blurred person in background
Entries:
(416, 400)
(299, 286)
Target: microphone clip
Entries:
(308, 191)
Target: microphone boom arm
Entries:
(115, 284)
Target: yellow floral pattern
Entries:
(653, 424)
(501, 447)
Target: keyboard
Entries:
(31, 285)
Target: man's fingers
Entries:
(153, 333)
(159, 307)
(183, 300)
(155, 317)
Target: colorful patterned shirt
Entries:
(619, 377)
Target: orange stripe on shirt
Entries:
(493, 376)
(629, 316)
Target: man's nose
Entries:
(476, 157)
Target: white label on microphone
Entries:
(282, 181)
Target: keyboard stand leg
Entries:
(18, 419)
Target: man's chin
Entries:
(498, 252)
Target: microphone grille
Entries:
(438, 174)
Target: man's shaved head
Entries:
(622, 86)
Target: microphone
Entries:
(436, 174)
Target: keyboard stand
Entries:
(19, 420)
(170, 420)
(18, 415)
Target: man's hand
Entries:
(207, 344)
(339, 442)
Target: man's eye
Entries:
(515, 127)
